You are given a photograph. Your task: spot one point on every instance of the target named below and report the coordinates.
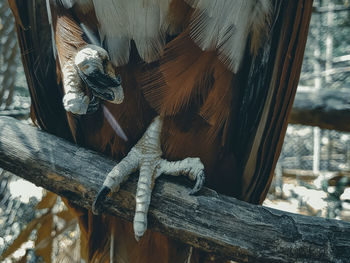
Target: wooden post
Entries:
(318, 85)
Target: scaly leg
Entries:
(146, 156)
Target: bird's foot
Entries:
(92, 67)
(145, 156)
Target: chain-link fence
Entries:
(14, 99)
(15, 213)
(298, 149)
(16, 207)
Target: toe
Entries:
(200, 178)
(140, 225)
(97, 206)
(76, 102)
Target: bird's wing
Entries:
(40, 66)
(266, 102)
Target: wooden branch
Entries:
(309, 176)
(327, 109)
(324, 73)
(215, 223)
(18, 114)
(326, 9)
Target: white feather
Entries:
(49, 17)
(221, 25)
(143, 21)
(67, 3)
(224, 25)
(90, 35)
(84, 5)
(118, 49)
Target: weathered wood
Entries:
(327, 109)
(308, 176)
(212, 222)
(18, 114)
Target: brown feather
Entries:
(179, 79)
(15, 11)
(34, 33)
(178, 17)
(218, 107)
(190, 81)
(68, 35)
(288, 44)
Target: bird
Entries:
(177, 87)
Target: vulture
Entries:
(194, 88)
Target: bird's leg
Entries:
(146, 156)
(91, 65)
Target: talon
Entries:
(91, 66)
(140, 225)
(102, 85)
(200, 179)
(94, 105)
(145, 156)
(76, 102)
(100, 198)
(98, 74)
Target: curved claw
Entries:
(200, 179)
(96, 70)
(99, 199)
(102, 85)
(94, 105)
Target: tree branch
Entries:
(326, 9)
(327, 109)
(215, 223)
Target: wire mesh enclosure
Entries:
(14, 96)
(298, 149)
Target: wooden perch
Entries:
(18, 114)
(326, 9)
(327, 109)
(212, 222)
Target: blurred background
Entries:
(312, 175)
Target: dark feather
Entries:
(40, 66)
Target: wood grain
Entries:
(210, 221)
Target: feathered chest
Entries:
(143, 21)
(214, 25)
